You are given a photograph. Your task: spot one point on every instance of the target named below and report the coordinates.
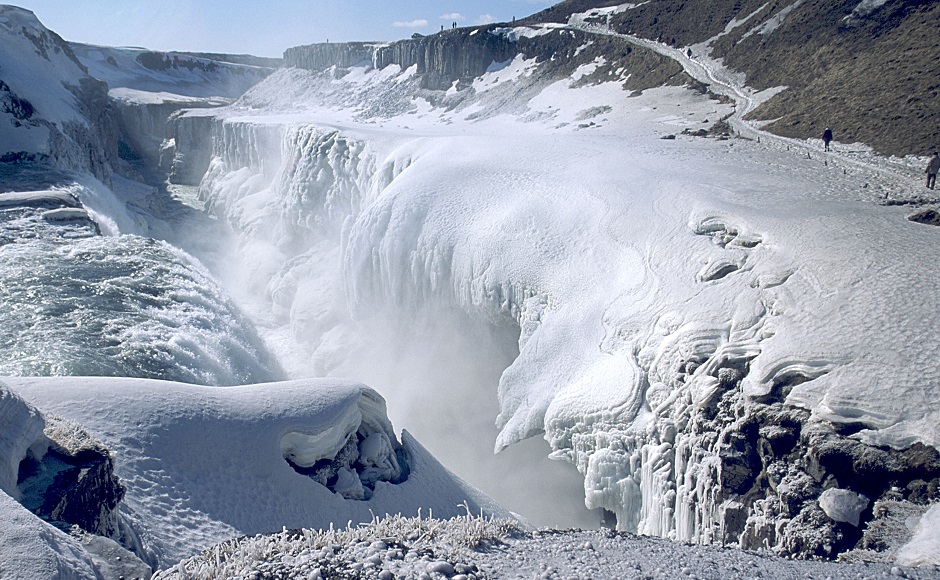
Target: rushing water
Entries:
(77, 303)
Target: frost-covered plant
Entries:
(403, 545)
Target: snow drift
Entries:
(202, 464)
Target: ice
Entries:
(31, 548)
(22, 430)
(638, 298)
(774, 22)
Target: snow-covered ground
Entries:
(205, 464)
(467, 548)
(174, 72)
(552, 256)
(644, 276)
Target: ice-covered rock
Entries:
(31, 548)
(58, 475)
(73, 481)
(187, 74)
(202, 465)
(144, 121)
(843, 505)
(51, 109)
(681, 354)
(22, 433)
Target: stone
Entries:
(842, 505)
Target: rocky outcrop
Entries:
(51, 109)
(186, 154)
(73, 482)
(55, 469)
(440, 59)
(147, 129)
(460, 55)
(317, 57)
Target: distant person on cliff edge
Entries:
(932, 168)
(827, 137)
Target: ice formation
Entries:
(709, 330)
(678, 338)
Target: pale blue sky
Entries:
(263, 28)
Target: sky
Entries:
(262, 28)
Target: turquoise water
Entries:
(76, 303)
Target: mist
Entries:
(439, 370)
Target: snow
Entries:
(924, 547)
(467, 547)
(621, 255)
(202, 464)
(22, 430)
(774, 22)
(30, 548)
(31, 56)
(160, 97)
(865, 7)
(198, 77)
(602, 282)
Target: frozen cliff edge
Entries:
(201, 465)
(721, 377)
(51, 109)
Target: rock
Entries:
(928, 216)
(73, 482)
(843, 505)
(441, 567)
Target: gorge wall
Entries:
(466, 53)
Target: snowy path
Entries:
(900, 178)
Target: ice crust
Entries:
(924, 547)
(637, 270)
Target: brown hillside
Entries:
(872, 76)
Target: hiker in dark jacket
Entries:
(932, 168)
(827, 137)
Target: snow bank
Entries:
(30, 548)
(202, 465)
(924, 547)
(22, 430)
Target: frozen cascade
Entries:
(297, 196)
(683, 426)
(674, 337)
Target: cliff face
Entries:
(317, 57)
(441, 58)
(51, 109)
(465, 53)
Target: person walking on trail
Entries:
(932, 168)
(827, 137)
